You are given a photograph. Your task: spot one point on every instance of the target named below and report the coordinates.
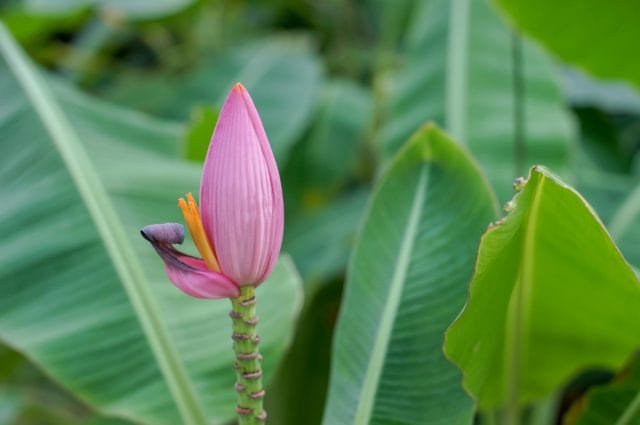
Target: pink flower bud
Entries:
(240, 193)
(238, 229)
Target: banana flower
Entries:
(238, 227)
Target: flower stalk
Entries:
(248, 359)
(238, 233)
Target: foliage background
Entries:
(340, 86)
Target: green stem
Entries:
(248, 359)
(489, 418)
(511, 415)
(545, 411)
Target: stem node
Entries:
(247, 365)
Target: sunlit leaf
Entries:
(575, 31)
(551, 296)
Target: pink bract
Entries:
(241, 208)
(240, 193)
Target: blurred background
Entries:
(340, 85)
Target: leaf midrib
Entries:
(516, 333)
(108, 225)
(390, 310)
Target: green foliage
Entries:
(282, 74)
(323, 208)
(136, 9)
(89, 303)
(616, 403)
(340, 87)
(196, 141)
(597, 36)
(406, 281)
(28, 397)
(460, 71)
(624, 226)
(613, 96)
(606, 192)
(335, 142)
(551, 295)
(29, 28)
(321, 239)
(298, 393)
(601, 147)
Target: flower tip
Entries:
(238, 87)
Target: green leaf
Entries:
(605, 174)
(283, 76)
(137, 9)
(336, 139)
(27, 397)
(616, 198)
(612, 96)
(320, 241)
(461, 72)
(575, 31)
(298, 392)
(83, 296)
(606, 192)
(616, 403)
(9, 406)
(624, 225)
(30, 29)
(551, 296)
(406, 281)
(198, 135)
(600, 143)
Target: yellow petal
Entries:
(194, 224)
